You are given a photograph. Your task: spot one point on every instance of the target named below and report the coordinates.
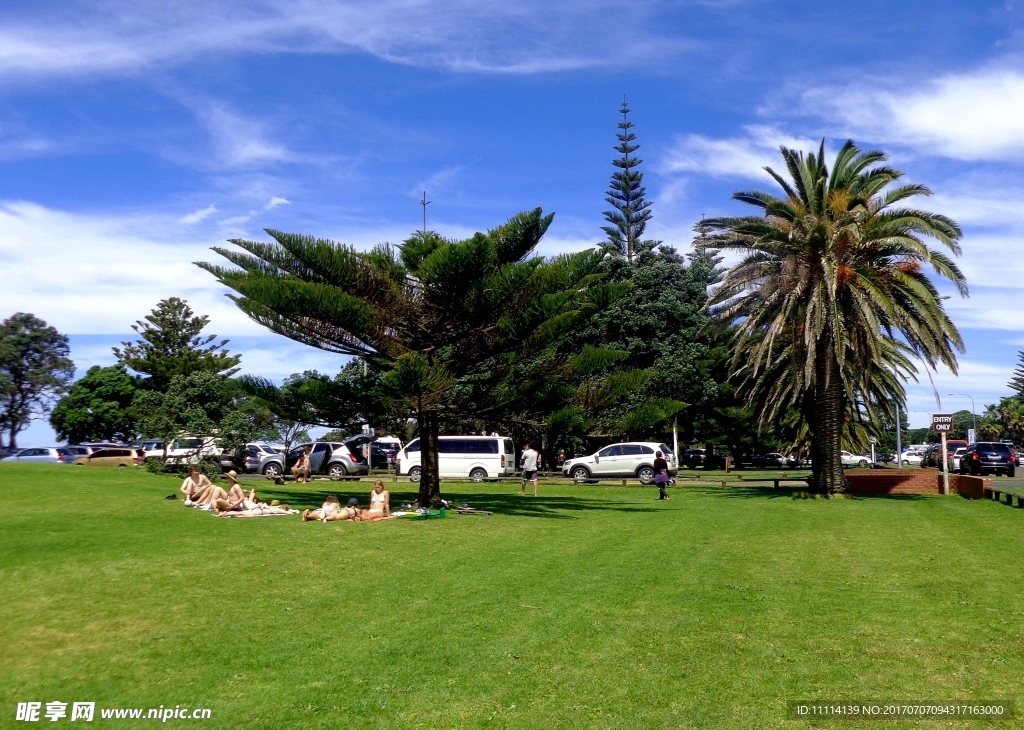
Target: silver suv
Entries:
(632, 459)
(335, 460)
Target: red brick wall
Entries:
(967, 486)
(896, 481)
(915, 481)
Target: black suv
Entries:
(986, 457)
(692, 458)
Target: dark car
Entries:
(933, 457)
(381, 458)
(986, 457)
(692, 458)
(771, 461)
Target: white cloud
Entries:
(240, 141)
(199, 215)
(744, 156)
(476, 36)
(239, 220)
(968, 116)
(984, 382)
(103, 273)
(275, 201)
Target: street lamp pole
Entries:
(974, 418)
(899, 443)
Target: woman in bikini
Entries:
(301, 469)
(328, 508)
(380, 504)
(350, 511)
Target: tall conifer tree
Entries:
(626, 194)
(1017, 383)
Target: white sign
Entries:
(970, 435)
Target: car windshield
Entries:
(994, 448)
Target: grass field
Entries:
(587, 607)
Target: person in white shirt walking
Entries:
(529, 465)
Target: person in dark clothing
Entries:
(661, 477)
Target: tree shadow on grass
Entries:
(550, 507)
(752, 492)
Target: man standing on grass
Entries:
(529, 465)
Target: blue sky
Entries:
(135, 135)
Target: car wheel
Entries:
(580, 473)
(122, 466)
(1011, 471)
(336, 472)
(414, 474)
(478, 475)
(273, 469)
(862, 463)
(692, 466)
(645, 474)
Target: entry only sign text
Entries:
(942, 422)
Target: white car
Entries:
(912, 457)
(627, 460)
(187, 449)
(954, 460)
(849, 459)
(475, 457)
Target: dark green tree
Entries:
(430, 314)
(97, 407)
(1016, 384)
(355, 396)
(34, 371)
(172, 344)
(201, 403)
(626, 195)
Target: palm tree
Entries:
(830, 298)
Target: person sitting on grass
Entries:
(209, 496)
(194, 485)
(329, 506)
(229, 503)
(301, 469)
(349, 512)
(380, 503)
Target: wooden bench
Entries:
(997, 494)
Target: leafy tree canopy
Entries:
(34, 370)
(428, 311)
(201, 403)
(172, 344)
(97, 407)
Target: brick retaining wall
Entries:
(915, 481)
(895, 481)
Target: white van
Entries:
(475, 457)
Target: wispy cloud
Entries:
(743, 156)
(199, 215)
(474, 36)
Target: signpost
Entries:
(942, 423)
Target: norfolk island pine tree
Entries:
(426, 311)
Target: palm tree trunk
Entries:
(827, 475)
(430, 482)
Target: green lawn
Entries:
(588, 607)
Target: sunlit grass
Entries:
(587, 607)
